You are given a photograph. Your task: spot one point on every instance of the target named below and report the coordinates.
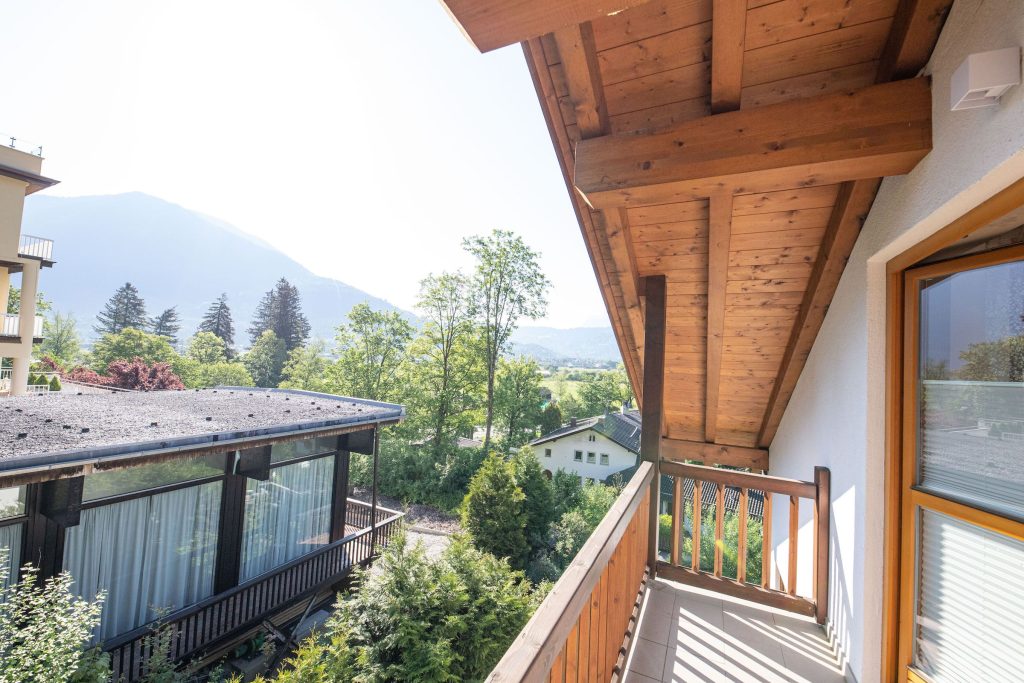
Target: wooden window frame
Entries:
(900, 428)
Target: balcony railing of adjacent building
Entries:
(22, 145)
(584, 628)
(216, 621)
(36, 247)
(10, 326)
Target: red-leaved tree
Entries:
(135, 374)
(84, 376)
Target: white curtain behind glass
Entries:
(10, 552)
(151, 555)
(287, 516)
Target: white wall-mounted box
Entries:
(983, 78)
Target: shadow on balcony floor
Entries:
(689, 634)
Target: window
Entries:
(547, 452)
(109, 484)
(151, 554)
(290, 450)
(591, 457)
(286, 516)
(604, 458)
(12, 521)
(578, 457)
(591, 437)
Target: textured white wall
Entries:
(836, 416)
(563, 449)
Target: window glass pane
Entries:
(107, 484)
(152, 555)
(969, 624)
(972, 387)
(289, 450)
(10, 554)
(12, 502)
(286, 516)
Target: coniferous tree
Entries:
(125, 309)
(280, 311)
(218, 321)
(167, 325)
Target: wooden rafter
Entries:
(621, 244)
(490, 24)
(583, 78)
(719, 233)
(851, 209)
(729, 21)
(680, 450)
(915, 29)
(876, 131)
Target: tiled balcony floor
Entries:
(688, 634)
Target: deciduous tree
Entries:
(307, 368)
(508, 285)
(60, 338)
(124, 310)
(206, 348)
(130, 343)
(265, 360)
(517, 400)
(371, 351)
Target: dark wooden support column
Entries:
(652, 411)
(241, 465)
(339, 503)
(52, 507)
(373, 488)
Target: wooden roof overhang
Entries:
(734, 147)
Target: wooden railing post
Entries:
(652, 411)
(822, 522)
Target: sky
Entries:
(363, 139)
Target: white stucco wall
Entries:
(563, 451)
(836, 415)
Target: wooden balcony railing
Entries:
(215, 621)
(581, 631)
(751, 583)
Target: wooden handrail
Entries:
(712, 578)
(537, 648)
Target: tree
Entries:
(265, 360)
(224, 374)
(306, 368)
(550, 418)
(508, 285)
(14, 301)
(371, 351)
(280, 311)
(218, 321)
(517, 399)
(996, 361)
(44, 629)
(167, 325)
(60, 338)
(124, 310)
(538, 504)
(206, 348)
(131, 343)
(492, 513)
(136, 374)
(606, 390)
(447, 372)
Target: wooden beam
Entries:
(490, 24)
(876, 131)
(653, 412)
(915, 30)
(621, 245)
(679, 450)
(851, 208)
(719, 231)
(728, 32)
(583, 78)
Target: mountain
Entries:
(175, 257)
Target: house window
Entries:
(591, 437)
(153, 476)
(286, 516)
(151, 554)
(12, 521)
(578, 457)
(604, 458)
(591, 457)
(547, 452)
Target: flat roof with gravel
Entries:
(67, 426)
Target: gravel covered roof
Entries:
(68, 424)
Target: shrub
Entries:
(32, 378)
(135, 374)
(492, 512)
(55, 383)
(43, 630)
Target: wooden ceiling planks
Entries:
(665, 64)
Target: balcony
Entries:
(714, 614)
(10, 327)
(40, 248)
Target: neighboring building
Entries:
(594, 448)
(806, 220)
(20, 176)
(213, 511)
